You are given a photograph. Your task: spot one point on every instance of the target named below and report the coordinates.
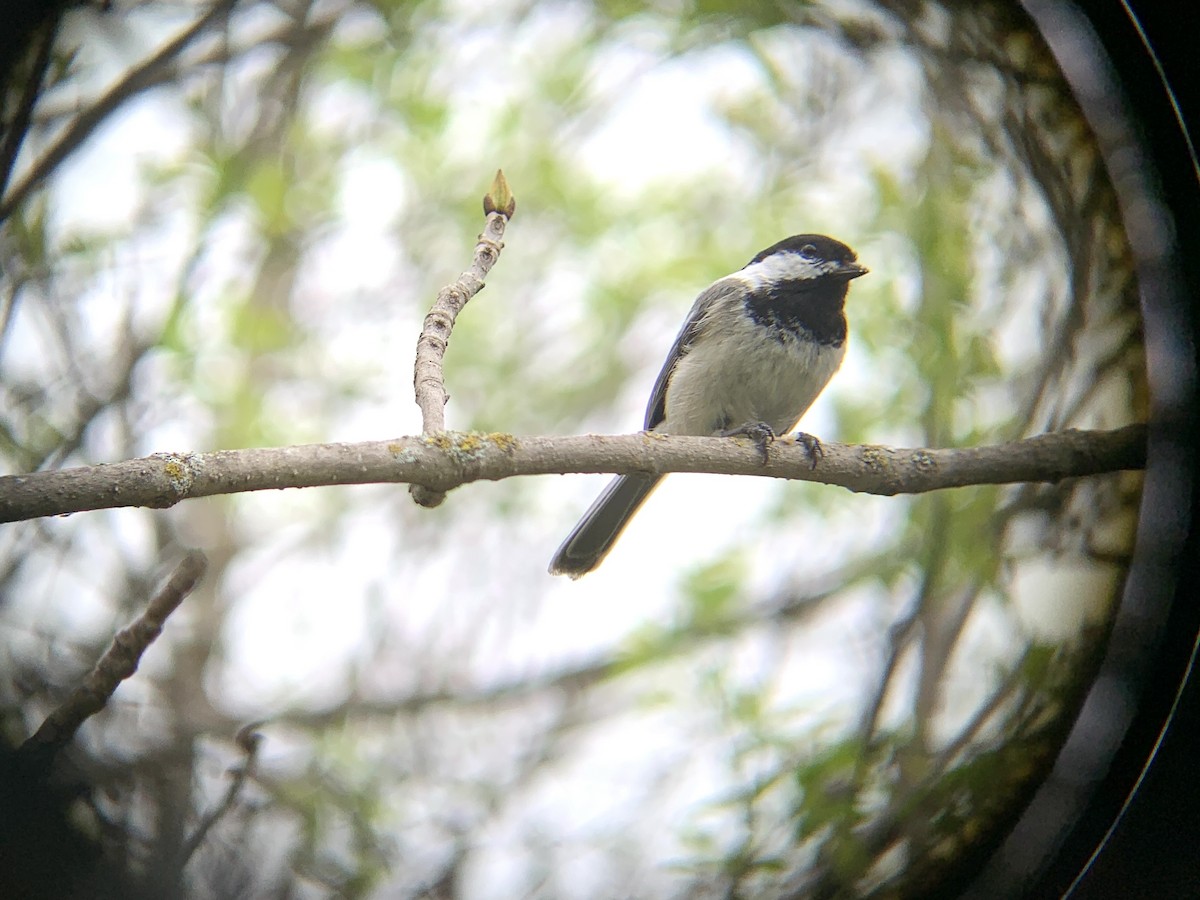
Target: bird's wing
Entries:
(715, 293)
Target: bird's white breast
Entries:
(744, 374)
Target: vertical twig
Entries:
(429, 382)
(248, 741)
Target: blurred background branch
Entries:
(120, 661)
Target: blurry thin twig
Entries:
(885, 827)
(248, 741)
(119, 661)
(16, 128)
(136, 81)
(429, 381)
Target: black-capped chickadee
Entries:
(755, 351)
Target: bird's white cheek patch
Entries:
(781, 267)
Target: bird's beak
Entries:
(853, 270)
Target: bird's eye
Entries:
(808, 250)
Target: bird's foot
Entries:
(811, 446)
(760, 432)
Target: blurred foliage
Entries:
(794, 691)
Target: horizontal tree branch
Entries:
(446, 460)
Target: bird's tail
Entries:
(590, 540)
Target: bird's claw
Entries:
(760, 432)
(811, 446)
